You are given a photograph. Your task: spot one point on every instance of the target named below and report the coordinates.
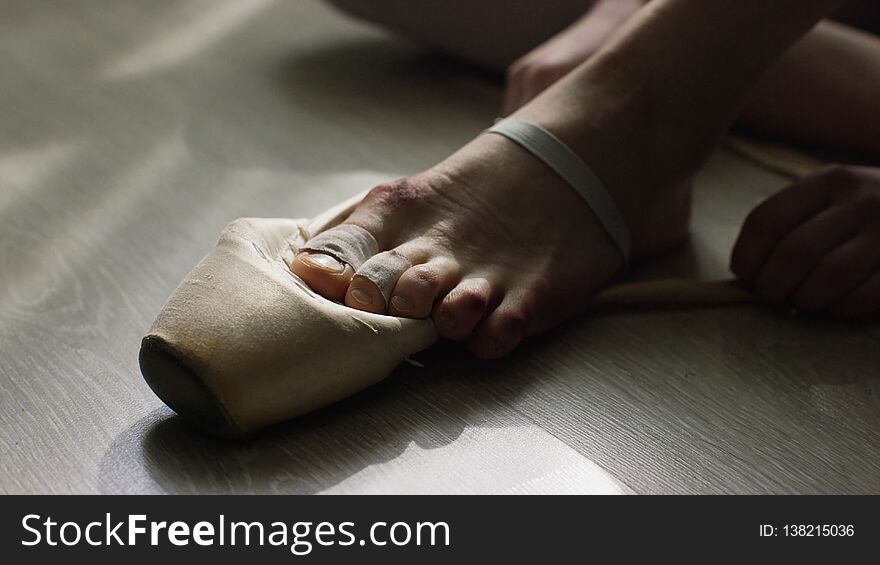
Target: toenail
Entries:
(401, 304)
(322, 261)
(361, 296)
(447, 321)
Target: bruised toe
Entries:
(460, 311)
(500, 333)
(420, 286)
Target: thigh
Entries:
(490, 33)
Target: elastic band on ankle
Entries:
(559, 157)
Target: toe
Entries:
(420, 286)
(323, 273)
(372, 284)
(862, 302)
(363, 294)
(500, 333)
(459, 312)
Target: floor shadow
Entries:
(428, 406)
(431, 406)
(384, 72)
(417, 105)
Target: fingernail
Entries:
(401, 304)
(322, 261)
(361, 296)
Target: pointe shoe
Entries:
(243, 343)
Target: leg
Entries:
(809, 96)
(491, 33)
(823, 92)
(501, 248)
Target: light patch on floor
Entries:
(37, 265)
(205, 27)
(24, 170)
(506, 460)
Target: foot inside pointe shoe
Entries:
(241, 344)
(490, 257)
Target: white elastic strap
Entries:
(559, 157)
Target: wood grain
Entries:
(132, 132)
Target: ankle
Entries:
(640, 148)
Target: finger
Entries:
(862, 302)
(770, 221)
(839, 272)
(801, 250)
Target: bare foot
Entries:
(501, 248)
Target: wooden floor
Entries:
(132, 132)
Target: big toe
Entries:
(324, 274)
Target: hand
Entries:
(817, 243)
(532, 73)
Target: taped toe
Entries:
(348, 243)
(383, 270)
